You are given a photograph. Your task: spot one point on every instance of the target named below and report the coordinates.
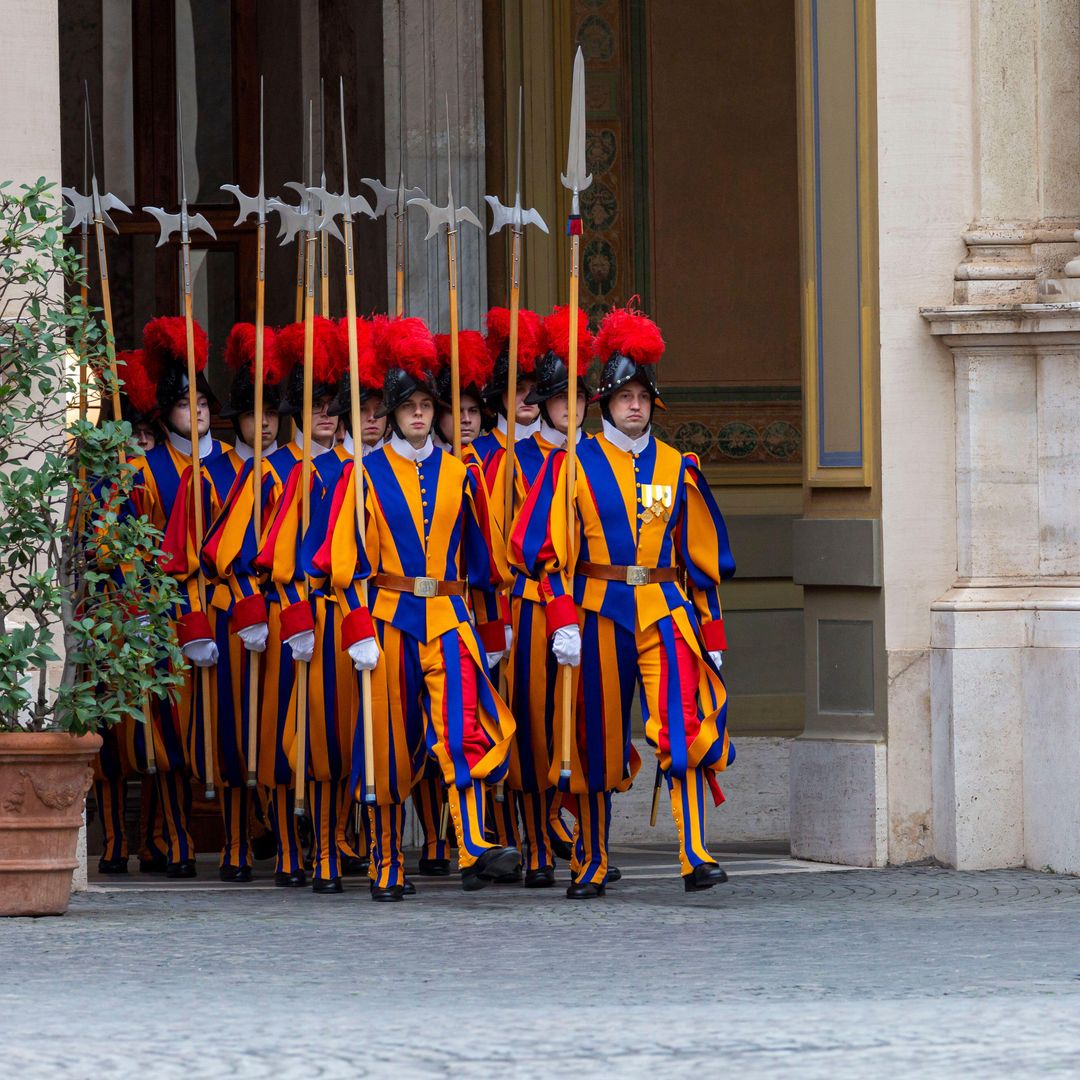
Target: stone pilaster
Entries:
(1005, 662)
(1027, 149)
(443, 69)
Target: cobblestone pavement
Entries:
(786, 971)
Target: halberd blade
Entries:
(575, 178)
(80, 207)
(167, 223)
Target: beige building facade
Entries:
(856, 223)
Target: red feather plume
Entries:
(627, 331)
(531, 341)
(405, 343)
(557, 332)
(139, 383)
(165, 341)
(474, 360)
(371, 377)
(329, 362)
(240, 353)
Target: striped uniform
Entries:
(653, 510)
(158, 483)
(305, 604)
(531, 670)
(426, 519)
(229, 688)
(229, 556)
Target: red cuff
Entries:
(194, 626)
(492, 636)
(559, 612)
(295, 619)
(713, 635)
(356, 626)
(248, 612)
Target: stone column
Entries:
(443, 68)
(1027, 148)
(1005, 666)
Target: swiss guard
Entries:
(230, 602)
(428, 550)
(474, 365)
(309, 624)
(651, 549)
(532, 673)
(497, 391)
(160, 473)
(112, 766)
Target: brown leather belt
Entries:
(629, 575)
(426, 587)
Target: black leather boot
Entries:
(290, 879)
(184, 869)
(704, 876)
(587, 890)
(542, 878)
(493, 863)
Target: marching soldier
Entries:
(229, 611)
(475, 369)
(643, 518)
(112, 766)
(271, 608)
(427, 543)
(309, 624)
(160, 473)
(497, 391)
(532, 671)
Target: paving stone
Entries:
(789, 970)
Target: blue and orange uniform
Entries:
(230, 556)
(531, 671)
(159, 484)
(331, 704)
(646, 547)
(230, 685)
(428, 547)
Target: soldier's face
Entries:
(415, 418)
(269, 427)
(180, 416)
(372, 427)
(470, 422)
(558, 410)
(142, 435)
(323, 425)
(631, 409)
(526, 414)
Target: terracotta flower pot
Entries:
(44, 777)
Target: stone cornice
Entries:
(971, 325)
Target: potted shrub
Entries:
(81, 643)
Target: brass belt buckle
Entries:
(637, 575)
(426, 587)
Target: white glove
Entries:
(566, 645)
(717, 657)
(202, 653)
(255, 636)
(509, 638)
(365, 654)
(494, 659)
(302, 645)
